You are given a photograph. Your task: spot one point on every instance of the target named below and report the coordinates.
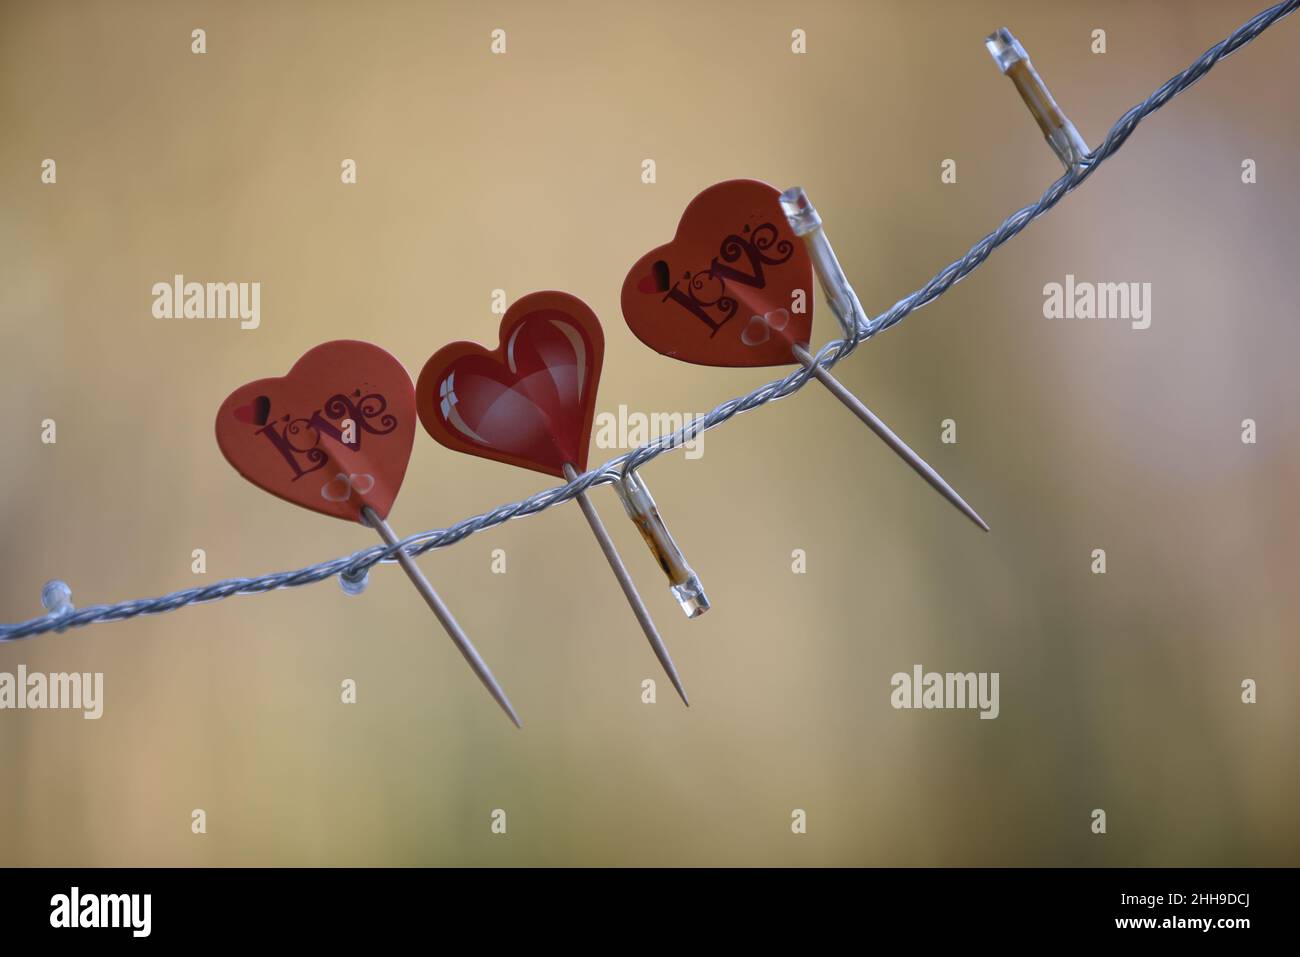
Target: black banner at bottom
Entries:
(495, 906)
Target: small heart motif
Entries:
(756, 332)
(778, 320)
(342, 435)
(656, 280)
(255, 412)
(341, 487)
(529, 402)
(734, 256)
(760, 328)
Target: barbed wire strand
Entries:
(358, 563)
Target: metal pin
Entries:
(807, 224)
(682, 581)
(625, 581)
(442, 613)
(1061, 135)
(874, 423)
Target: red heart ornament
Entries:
(723, 292)
(334, 435)
(530, 401)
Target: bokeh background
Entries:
(522, 172)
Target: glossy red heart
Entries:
(303, 450)
(725, 290)
(530, 401)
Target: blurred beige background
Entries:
(522, 172)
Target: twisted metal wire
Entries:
(357, 564)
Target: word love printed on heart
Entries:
(359, 432)
(334, 435)
(781, 238)
(730, 289)
(705, 293)
(343, 418)
(179, 299)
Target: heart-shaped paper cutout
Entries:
(306, 452)
(530, 401)
(712, 295)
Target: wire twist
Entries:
(358, 563)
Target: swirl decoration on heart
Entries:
(333, 435)
(725, 291)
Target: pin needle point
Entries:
(443, 614)
(807, 224)
(629, 589)
(503, 415)
(873, 422)
(340, 368)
